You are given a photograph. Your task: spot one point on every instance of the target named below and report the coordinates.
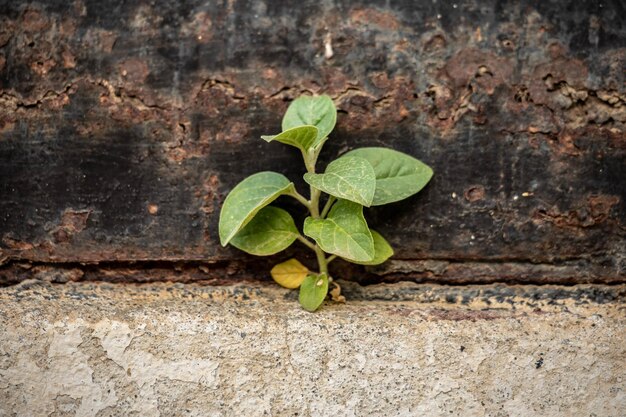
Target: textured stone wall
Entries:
(124, 124)
(172, 350)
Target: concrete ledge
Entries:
(90, 349)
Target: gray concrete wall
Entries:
(394, 350)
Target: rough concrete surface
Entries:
(90, 349)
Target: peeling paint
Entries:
(156, 104)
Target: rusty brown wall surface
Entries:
(123, 125)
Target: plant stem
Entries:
(295, 194)
(310, 159)
(307, 242)
(330, 259)
(329, 203)
(321, 260)
(314, 208)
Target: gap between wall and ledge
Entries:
(225, 272)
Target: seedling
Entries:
(361, 178)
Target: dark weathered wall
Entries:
(124, 124)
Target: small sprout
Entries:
(335, 294)
(361, 178)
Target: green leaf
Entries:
(348, 178)
(269, 232)
(301, 137)
(318, 111)
(247, 198)
(289, 274)
(313, 291)
(382, 250)
(398, 175)
(343, 232)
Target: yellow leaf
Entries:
(289, 274)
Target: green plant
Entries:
(361, 178)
